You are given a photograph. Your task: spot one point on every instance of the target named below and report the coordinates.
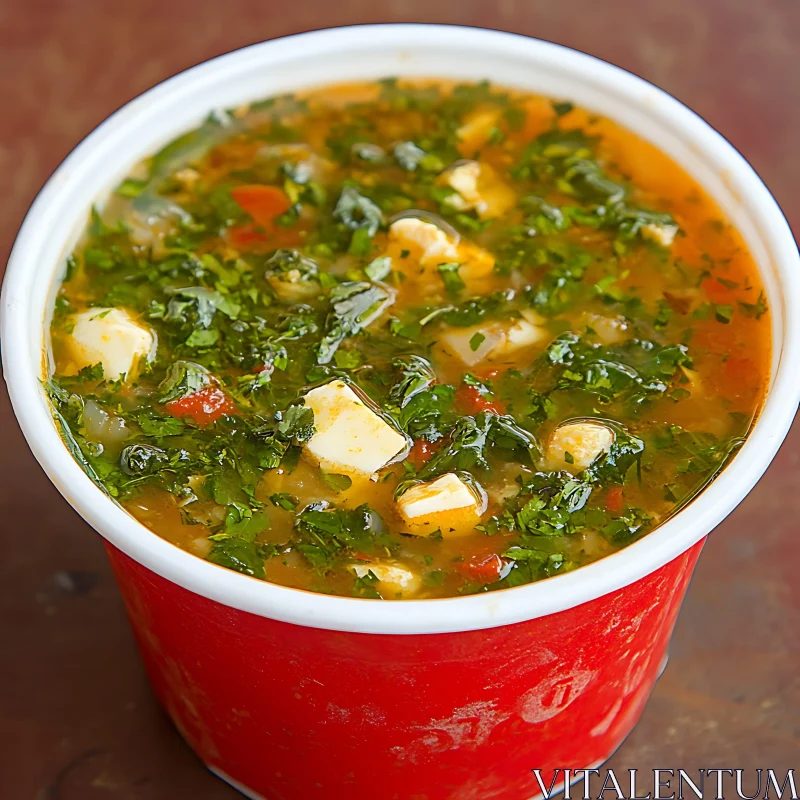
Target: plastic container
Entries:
(291, 695)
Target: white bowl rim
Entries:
(473, 612)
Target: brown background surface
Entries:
(77, 720)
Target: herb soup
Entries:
(407, 340)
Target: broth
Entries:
(407, 339)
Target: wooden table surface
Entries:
(77, 720)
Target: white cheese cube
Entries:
(393, 580)
(432, 243)
(109, 336)
(500, 339)
(610, 330)
(464, 179)
(662, 234)
(476, 129)
(350, 437)
(520, 334)
(584, 440)
(446, 503)
(417, 247)
(478, 188)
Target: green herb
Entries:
(379, 269)
(468, 446)
(354, 306)
(476, 309)
(634, 369)
(627, 527)
(158, 426)
(723, 313)
(93, 373)
(291, 265)
(428, 413)
(201, 302)
(476, 340)
(612, 466)
(408, 155)
(452, 280)
(283, 500)
(365, 586)
(663, 316)
(548, 504)
(131, 187)
(142, 459)
(183, 378)
(339, 483)
(244, 521)
(239, 555)
(757, 309)
(356, 211)
(326, 533)
(560, 285)
(200, 338)
(415, 374)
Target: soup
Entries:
(407, 340)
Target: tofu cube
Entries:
(478, 188)
(584, 440)
(428, 242)
(476, 129)
(501, 339)
(447, 504)
(350, 438)
(661, 234)
(417, 247)
(609, 330)
(109, 336)
(394, 580)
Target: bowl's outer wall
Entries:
(295, 713)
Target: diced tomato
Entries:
(204, 406)
(717, 292)
(244, 236)
(615, 502)
(421, 452)
(489, 374)
(472, 400)
(482, 569)
(263, 203)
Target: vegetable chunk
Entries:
(478, 188)
(393, 580)
(429, 243)
(418, 247)
(447, 504)
(491, 342)
(575, 445)
(661, 234)
(109, 336)
(350, 438)
(476, 129)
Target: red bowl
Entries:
(292, 695)
(289, 712)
